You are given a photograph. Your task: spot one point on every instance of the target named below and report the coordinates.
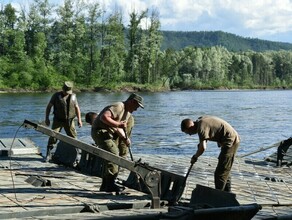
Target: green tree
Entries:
(64, 37)
(113, 49)
(7, 26)
(41, 20)
(93, 34)
(283, 67)
(135, 40)
(79, 55)
(262, 69)
(154, 44)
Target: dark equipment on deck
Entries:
(208, 203)
(67, 155)
(243, 212)
(282, 150)
(38, 181)
(152, 178)
(206, 196)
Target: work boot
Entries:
(227, 187)
(103, 185)
(111, 186)
(49, 153)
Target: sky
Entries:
(262, 19)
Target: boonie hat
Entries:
(67, 87)
(138, 98)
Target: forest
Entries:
(181, 39)
(43, 45)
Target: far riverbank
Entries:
(136, 88)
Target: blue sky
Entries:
(263, 19)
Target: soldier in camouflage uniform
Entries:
(66, 108)
(123, 148)
(108, 129)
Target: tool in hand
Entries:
(130, 151)
(182, 187)
(188, 173)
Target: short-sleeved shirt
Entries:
(119, 114)
(216, 129)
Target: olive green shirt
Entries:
(119, 114)
(216, 129)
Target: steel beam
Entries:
(150, 176)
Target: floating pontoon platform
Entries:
(31, 188)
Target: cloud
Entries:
(253, 18)
(265, 19)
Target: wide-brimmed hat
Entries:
(138, 98)
(67, 87)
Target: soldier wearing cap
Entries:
(110, 127)
(123, 148)
(66, 108)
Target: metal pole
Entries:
(259, 150)
(182, 187)
(188, 173)
(130, 151)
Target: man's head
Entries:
(134, 102)
(188, 126)
(67, 87)
(90, 116)
(137, 98)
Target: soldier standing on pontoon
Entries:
(66, 108)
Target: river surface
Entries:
(261, 118)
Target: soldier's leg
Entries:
(223, 169)
(227, 187)
(56, 126)
(110, 169)
(123, 149)
(70, 129)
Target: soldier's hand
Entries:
(123, 124)
(47, 121)
(128, 142)
(80, 124)
(194, 159)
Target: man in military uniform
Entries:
(211, 128)
(108, 129)
(90, 117)
(123, 148)
(65, 110)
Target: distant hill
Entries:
(178, 40)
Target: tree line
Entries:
(44, 45)
(232, 42)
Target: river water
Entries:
(261, 118)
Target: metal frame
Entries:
(151, 177)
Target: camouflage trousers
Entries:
(69, 127)
(113, 144)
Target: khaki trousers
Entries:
(225, 162)
(69, 127)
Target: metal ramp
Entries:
(17, 146)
